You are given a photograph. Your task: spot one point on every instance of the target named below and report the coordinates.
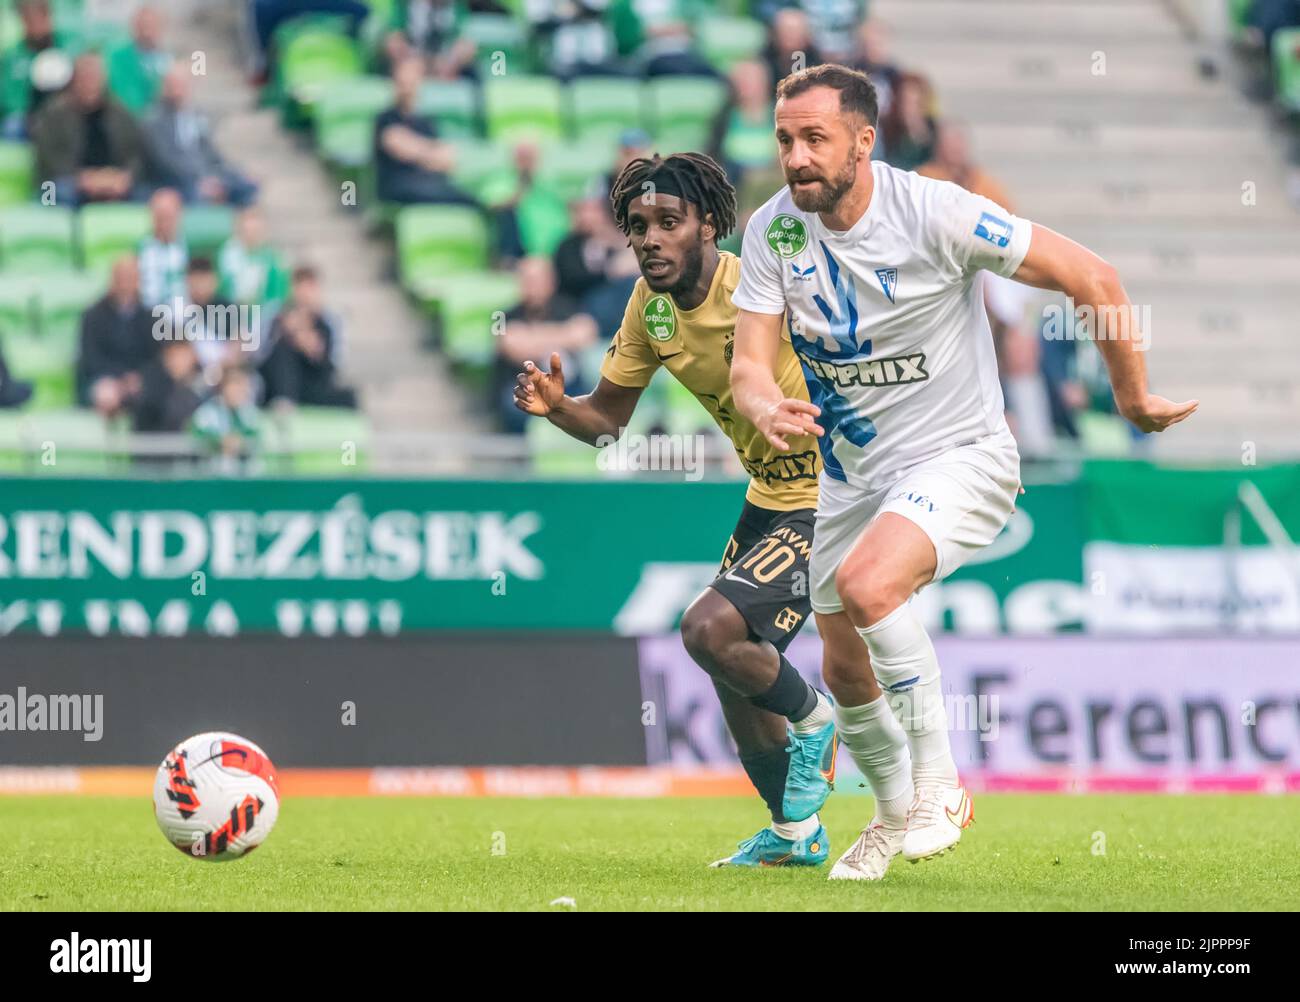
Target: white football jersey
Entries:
(887, 318)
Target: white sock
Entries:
(905, 665)
(795, 830)
(821, 715)
(879, 747)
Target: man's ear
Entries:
(707, 227)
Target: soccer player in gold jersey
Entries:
(674, 210)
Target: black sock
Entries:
(790, 696)
(767, 771)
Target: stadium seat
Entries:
(568, 169)
(17, 168)
(477, 163)
(438, 240)
(1286, 68)
(544, 222)
(206, 228)
(470, 310)
(17, 306)
(310, 59)
(345, 113)
(61, 298)
(602, 108)
(59, 442)
(453, 105)
(110, 231)
(321, 441)
(725, 41)
(558, 455)
(501, 41)
(522, 108)
(37, 238)
(48, 364)
(681, 106)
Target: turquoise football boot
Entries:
(767, 848)
(811, 776)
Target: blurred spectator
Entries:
(907, 132)
(1267, 17)
(573, 36)
(21, 98)
(172, 388)
(117, 341)
(180, 153)
(411, 165)
(871, 56)
(86, 141)
(214, 327)
(952, 162)
(743, 134)
(135, 69)
(669, 45)
(250, 269)
(543, 322)
(13, 392)
(790, 45)
(228, 425)
(432, 30)
(306, 346)
(164, 254)
(632, 144)
(594, 253)
(832, 21)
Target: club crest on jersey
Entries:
(888, 278)
(660, 318)
(787, 235)
(996, 231)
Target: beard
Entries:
(692, 266)
(826, 197)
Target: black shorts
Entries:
(764, 572)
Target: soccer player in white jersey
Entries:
(870, 271)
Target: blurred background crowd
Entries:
(477, 139)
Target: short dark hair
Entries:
(305, 273)
(200, 264)
(857, 92)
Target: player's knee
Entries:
(867, 589)
(710, 632)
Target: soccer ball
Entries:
(216, 797)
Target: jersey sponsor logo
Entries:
(783, 469)
(660, 318)
(787, 619)
(787, 235)
(996, 231)
(870, 372)
(803, 274)
(921, 500)
(888, 278)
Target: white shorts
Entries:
(961, 499)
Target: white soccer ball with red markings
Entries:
(216, 796)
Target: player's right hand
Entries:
(789, 417)
(537, 392)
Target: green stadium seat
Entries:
(453, 105)
(110, 231)
(684, 105)
(725, 41)
(479, 167)
(18, 305)
(321, 440)
(568, 169)
(37, 238)
(558, 455)
(48, 364)
(470, 310)
(543, 219)
(76, 442)
(206, 228)
(61, 298)
(438, 240)
(345, 115)
(312, 58)
(523, 108)
(1286, 68)
(17, 172)
(602, 108)
(501, 41)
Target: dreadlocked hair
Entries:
(701, 181)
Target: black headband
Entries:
(663, 181)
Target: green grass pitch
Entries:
(1024, 852)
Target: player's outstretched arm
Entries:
(603, 413)
(754, 386)
(1056, 262)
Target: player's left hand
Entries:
(1156, 413)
